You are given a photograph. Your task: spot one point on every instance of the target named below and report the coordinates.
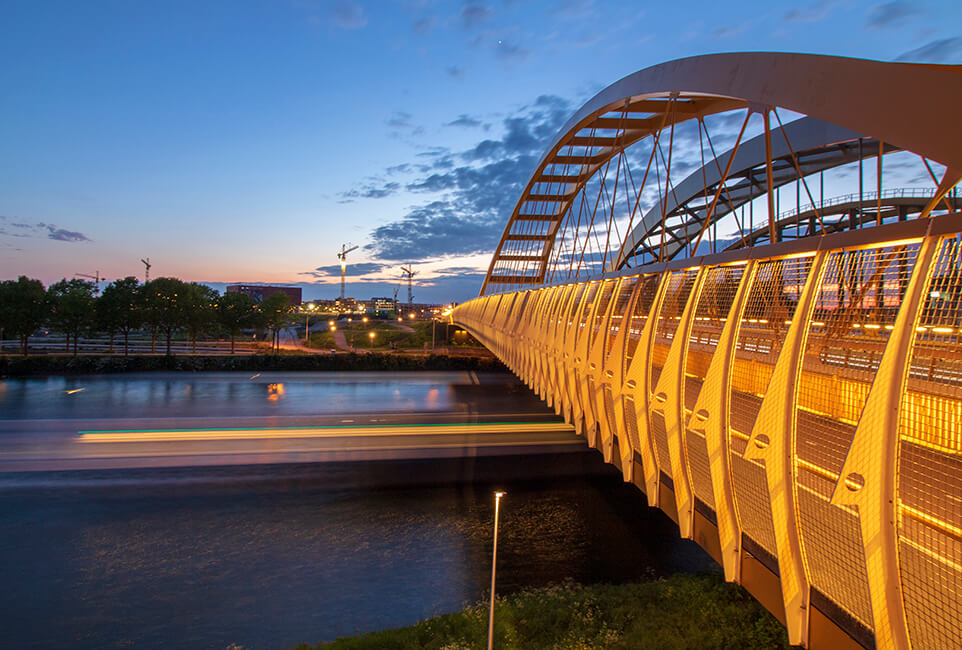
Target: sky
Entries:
(246, 141)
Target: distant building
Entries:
(381, 304)
(347, 305)
(258, 292)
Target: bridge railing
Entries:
(855, 197)
(796, 408)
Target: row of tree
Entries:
(163, 307)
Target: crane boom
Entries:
(409, 273)
(342, 256)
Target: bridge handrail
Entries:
(853, 197)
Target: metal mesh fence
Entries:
(930, 462)
(769, 310)
(854, 313)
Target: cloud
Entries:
(423, 26)
(474, 190)
(400, 120)
(347, 14)
(512, 52)
(812, 14)
(334, 270)
(59, 234)
(890, 14)
(41, 229)
(457, 72)
(371, 191)
(465, 121)
(474, 14)
(944, 50)
(574, 9)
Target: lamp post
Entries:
(494, 566)
(371, 336)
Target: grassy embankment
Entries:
(684, 611)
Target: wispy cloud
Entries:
(890, 14)
(334, 270)
(945, 50)
(455, 71)
(371, 191)
(20, 228)
(465, 121)
(474, 14)
(474, 190)
(512, 52)
(811, 14)
(348, 14)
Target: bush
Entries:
(684, 611)
(93, 364)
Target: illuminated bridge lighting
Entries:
(786, 385)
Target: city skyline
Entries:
(240, 144)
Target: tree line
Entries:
(163, 307)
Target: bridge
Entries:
(717, 274)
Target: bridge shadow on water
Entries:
(270, 556)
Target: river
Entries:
(271, 555)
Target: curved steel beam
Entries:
(857, 212)
(651, 99)
(815, 144)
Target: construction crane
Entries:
(409, 273)
(343, 257)
(96, 277)
(146, 262)
(395, 299)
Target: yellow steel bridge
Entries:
(785, 383)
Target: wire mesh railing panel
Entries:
(680, 285)
(769, 310)
(715, 299)
(930, 462)
(601, 310)
(618, 312)
(856, 304)
(647, 293)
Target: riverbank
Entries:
(683, 611)
(20, 366)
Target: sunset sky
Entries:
(243, 142)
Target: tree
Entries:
(275, 309)
(162, 306)
(119, 309)
(23, 308)
(235, 311)
(72, 307)
(198, 310)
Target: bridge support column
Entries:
(772, 442)
(636, 394)
(711, 415)
(869, 476)
(669, 401)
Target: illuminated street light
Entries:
(364, 320)
(494, 565)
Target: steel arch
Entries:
(815, 85)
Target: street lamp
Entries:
(494, 566)
(371, 336)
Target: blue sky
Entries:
(246, 141)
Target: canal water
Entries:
(269, 556)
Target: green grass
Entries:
(684, 611)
